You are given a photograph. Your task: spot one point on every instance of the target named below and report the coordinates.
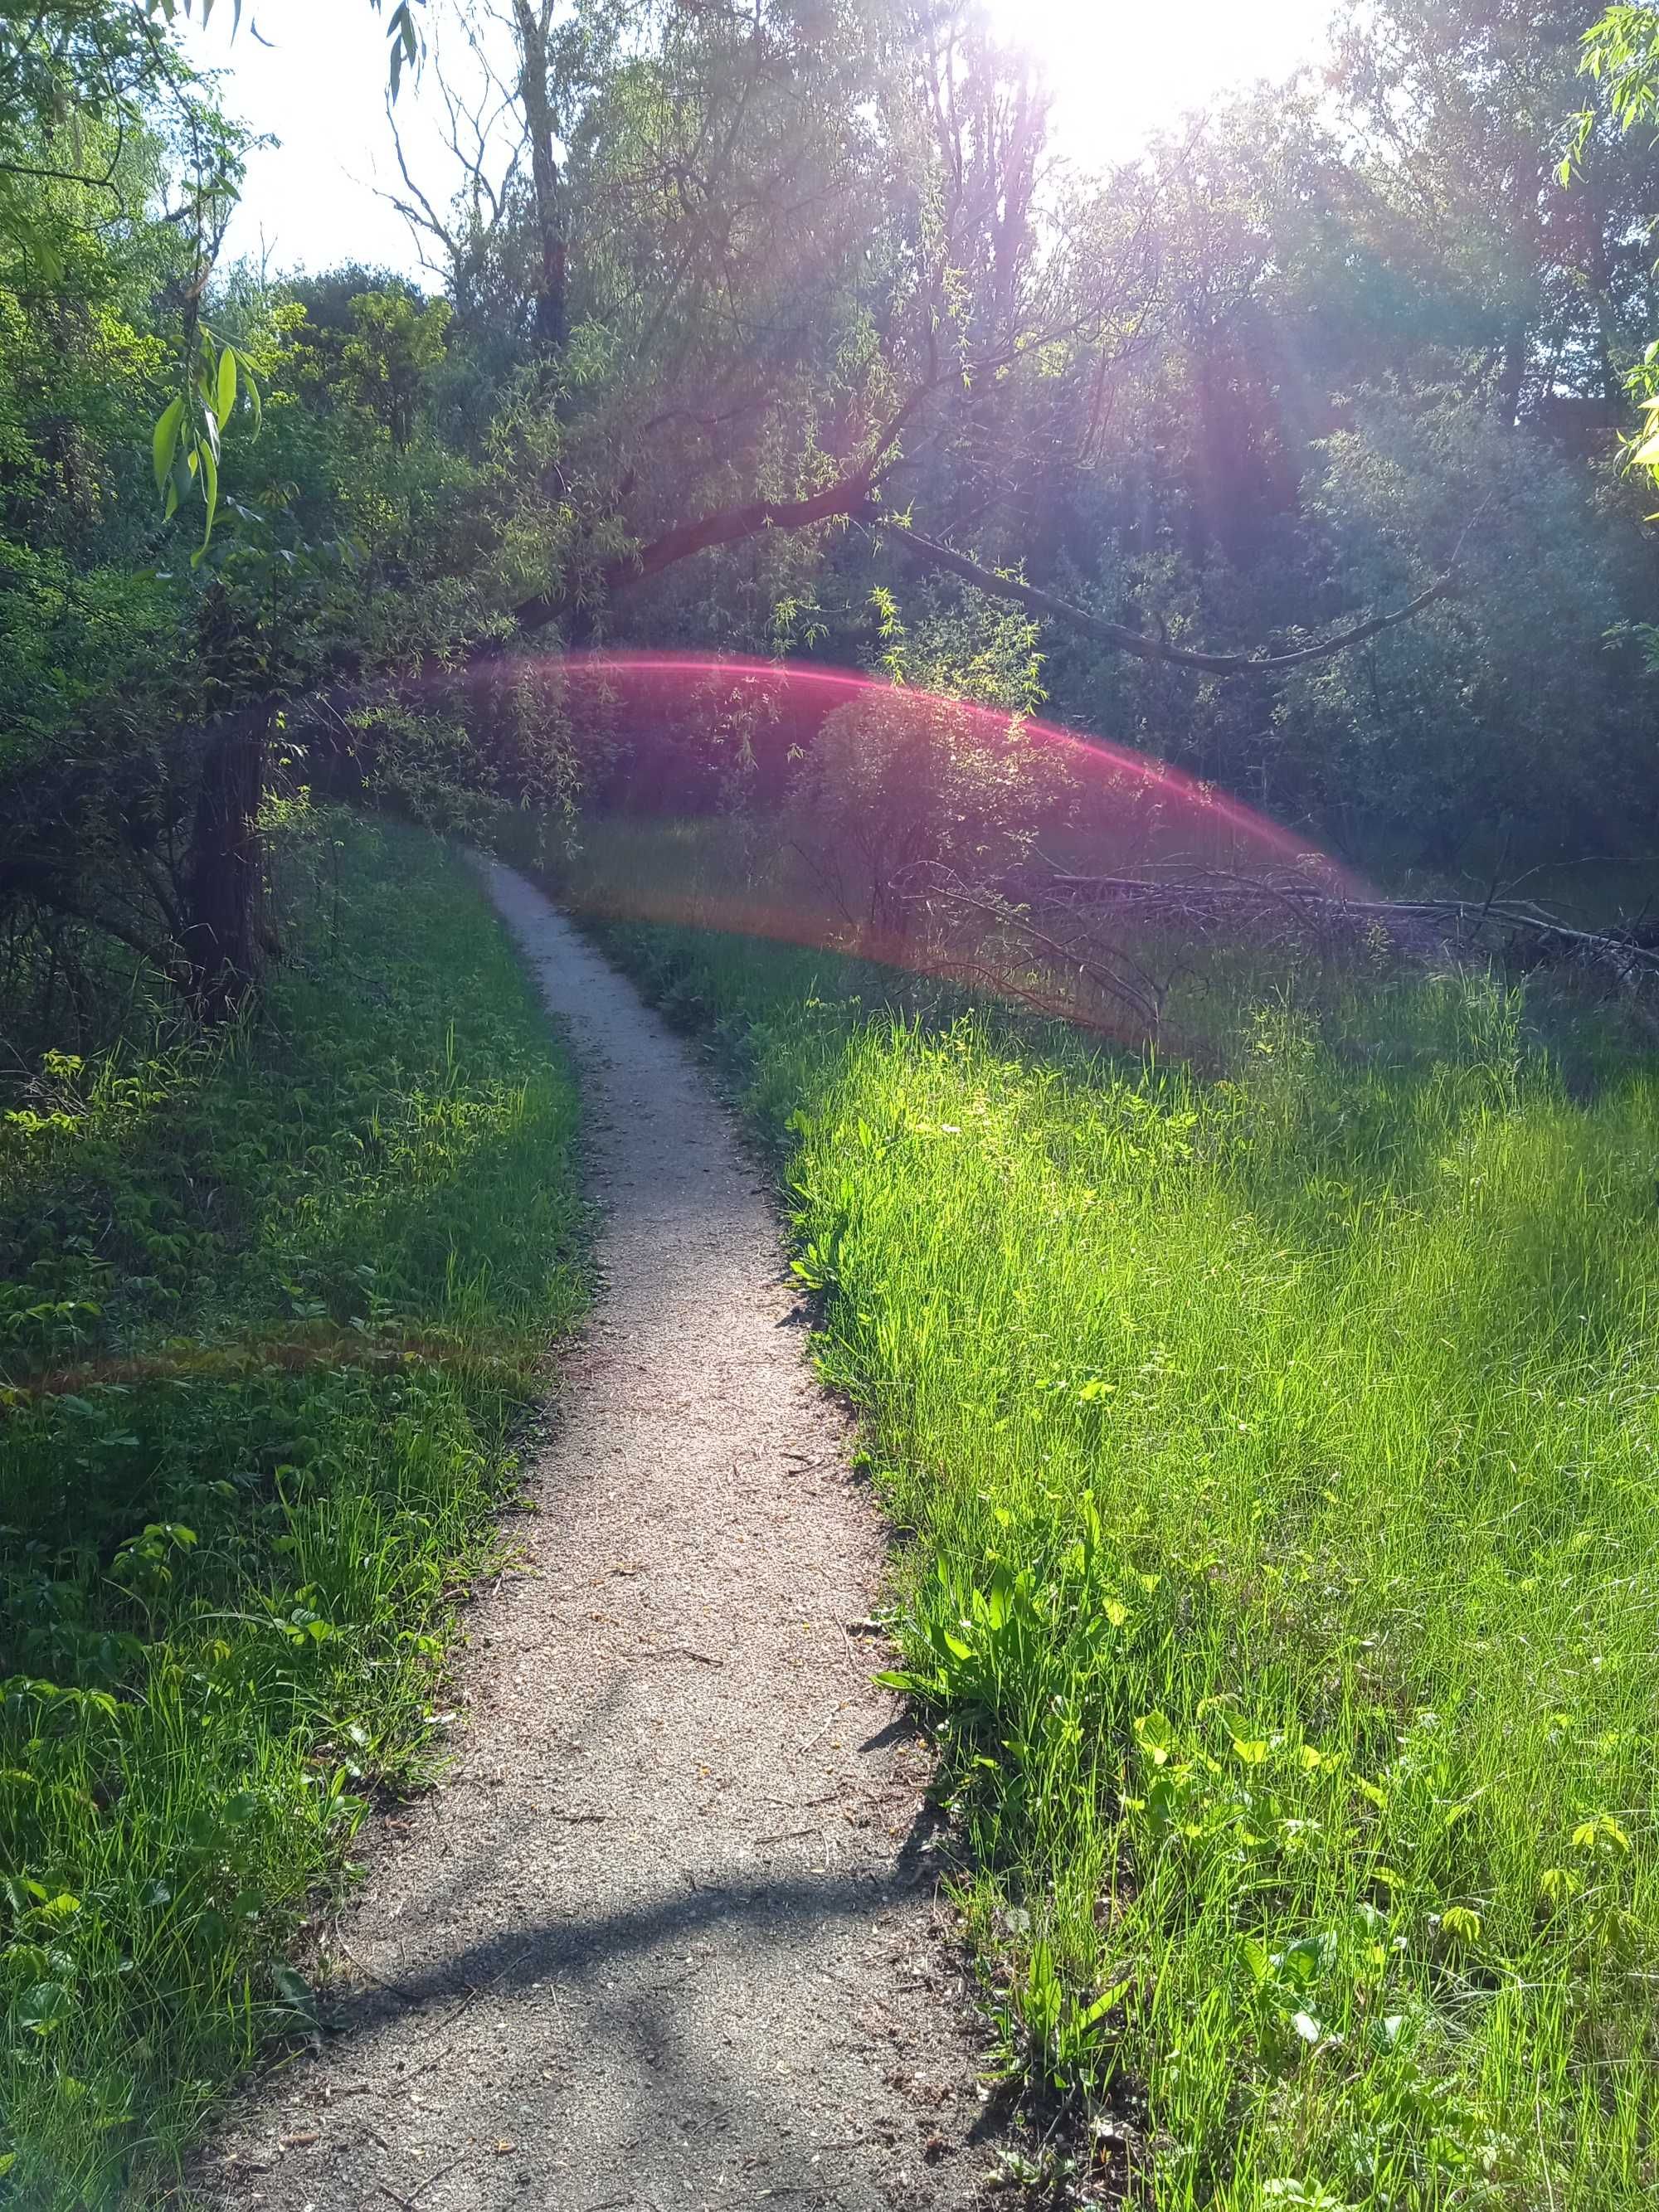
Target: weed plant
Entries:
(267, 1308)
(1278, 1452)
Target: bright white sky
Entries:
(1122, 69)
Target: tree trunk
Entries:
(1512, 379)
(222, 937)
(552, 313)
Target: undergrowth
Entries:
(1279, 1451)
(268, 1307)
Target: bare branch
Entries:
(1124, 640)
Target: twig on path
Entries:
(823, 1732)
(431, 2182)
(482, 1989)
(394, 1989)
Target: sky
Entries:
(1120, 73)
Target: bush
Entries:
(901, 781)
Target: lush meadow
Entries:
(269, 1306)
(1278, 1453)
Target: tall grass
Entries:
(1280, 1452)
(267, 1308)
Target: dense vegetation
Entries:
(1271, 1410)
(1279, 1453)
(788, 329)
(267, 1305)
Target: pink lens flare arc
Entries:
(666, 728)
(810, 685)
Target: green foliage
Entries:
(1279, 1461)
(1241, 391)
(1621, 52)
(184, 442)
(267, 1309)
(901, 779)
(396, 343)
(1507, 705)
(403, 37)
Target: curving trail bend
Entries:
(667, 1937)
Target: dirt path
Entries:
(667, 1938)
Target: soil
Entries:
(669, 1933)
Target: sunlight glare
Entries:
(1122, 72)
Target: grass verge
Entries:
(268, 1309)
(1281, 1456)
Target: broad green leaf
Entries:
(43, 2008)
(1588, 1834)
(1154, 1736)
(226, 399)
(998, 1602)
(1108, 2001)
(210, 500)
(164, 444)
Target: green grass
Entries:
(1280, 1454)
(268, 1309)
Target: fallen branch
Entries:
(1082, 957)
(1529, 933)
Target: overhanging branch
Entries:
(1125, 640)
(724, 526)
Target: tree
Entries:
(1467, 109)
(769, 327)
(1621, 56)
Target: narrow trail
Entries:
(668, 1936)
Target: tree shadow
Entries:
(624, 2058)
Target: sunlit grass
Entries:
(1279, 1451)
(268, 1307)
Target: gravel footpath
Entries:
(667, 1937)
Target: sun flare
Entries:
(1120, 72)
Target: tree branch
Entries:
(724, 526)
(1124, 640)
